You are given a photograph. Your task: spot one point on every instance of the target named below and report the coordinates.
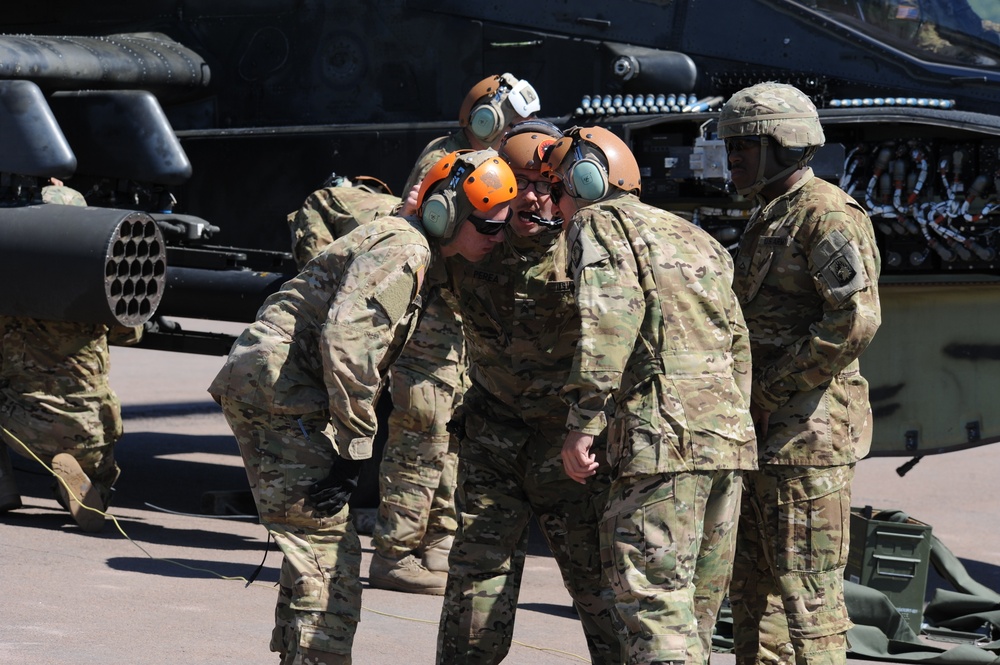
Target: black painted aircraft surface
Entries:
(218, 117)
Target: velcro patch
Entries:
(583, 251)
(560, 287)
(842, 270)
(490, 277)
(395, 298)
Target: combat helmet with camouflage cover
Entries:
(775, 112)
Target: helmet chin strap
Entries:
(760, 182)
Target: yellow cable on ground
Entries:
(521, 644)
(115, 519)
(239, 578)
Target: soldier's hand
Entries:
(578, 462)
(410, 202)
(330, 495)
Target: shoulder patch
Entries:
(395, 298)
(583, 251)
(841, 269)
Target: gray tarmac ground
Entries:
(168, 588)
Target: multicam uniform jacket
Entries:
(436, 348)
(520, 322)
(330, 213)
(656, 306)
(326, 340)
(810, 317)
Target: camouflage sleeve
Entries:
(62, 195)
(845, 265)
(741, 349)
(310, 232)
(331, 213)
(611, 309)
(364, 321)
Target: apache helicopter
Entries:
(217, 119)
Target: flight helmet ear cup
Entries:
(486, 122)
(588, 180)
(438, 213)
(591, 162)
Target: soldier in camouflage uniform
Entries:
(662, 336)
(57, 405)
(416, 520)
(488, 110)
(807, 277)
(300, 384)
(520, 321)
(334, 211)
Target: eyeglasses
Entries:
(740, 143)
(555, 191)
(490, 227)
(543, 187)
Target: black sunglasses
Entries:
(490, 227)
(739, 143)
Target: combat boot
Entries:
(9, 498)
(406, 574)
(81, 491)
(435, 553)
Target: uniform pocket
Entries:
(291, 461)
(859, 413)
(637, 538)
(641, 435)
(419, 403)
(813, 514)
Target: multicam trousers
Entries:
(319, 595)
(509, 471)
(85, 426)
(417, 474)
(667, 541)
(787, 593)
